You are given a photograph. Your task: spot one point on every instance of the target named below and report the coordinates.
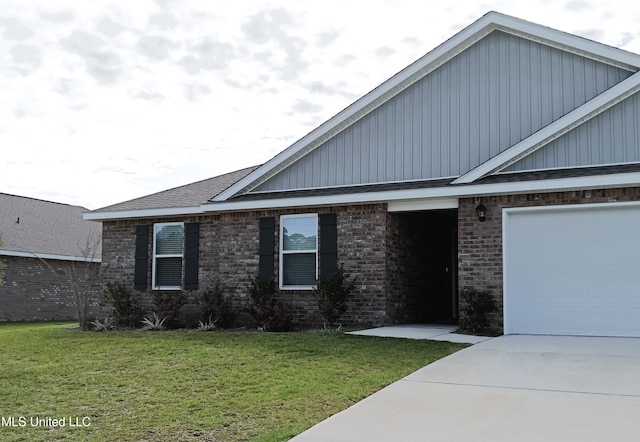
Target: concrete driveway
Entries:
(511, 388)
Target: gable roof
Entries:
(439, 56)
(613, 74)
(36, 228)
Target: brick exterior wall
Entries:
(373, 245)
(229, 252)
(35, 291)
(480, 243)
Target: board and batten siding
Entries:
(487, 98)
(613, 137)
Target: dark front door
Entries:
(441, 265)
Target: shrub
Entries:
(107, 324)
(332, 295)
(168, 305)
(207, 325)
(153, 322)
(477, 306)
(125, 308)
(270, 314)
(216, 306)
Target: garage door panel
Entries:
(572, 270)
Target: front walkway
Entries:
(434, 332)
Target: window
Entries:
(168, 253)
(298, 251)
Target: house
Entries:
(506, 159)
(47, 248)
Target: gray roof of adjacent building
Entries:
(32, 227)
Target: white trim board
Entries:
(422, 204)
(434, 193)
(48, 256)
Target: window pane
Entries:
(299, 269)
(168, 272)
(169, 240)
(299, 233)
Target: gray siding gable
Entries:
(612, 137)
(489, 97)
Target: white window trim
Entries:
(292, 252)
(153, 266)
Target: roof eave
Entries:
(141, 213)
(46, 256)
(449, 191)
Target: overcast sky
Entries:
(101, 102)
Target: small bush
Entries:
(153, 323)
(477, 306)
(270, 314)
(125, 307)
(107, 324)
(216, 306)
(207, 325)
(332, 295)
(168, 305)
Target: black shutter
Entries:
(191, 253)
(142, 259)
(328, 245)
(267, 247)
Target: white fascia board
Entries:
(367, 103)
(48, 256)
(568, 207)
(568, 42)
(145, 213)
(446, 192)
(422, 204)
(561, 126)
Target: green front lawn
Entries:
(190, 385)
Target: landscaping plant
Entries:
(153, 322)
(270, 314)
(332, 295)
(125, 308)
(478, 305)
(167, 306)
(216, 307)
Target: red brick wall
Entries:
(480, 243)
(229, 251)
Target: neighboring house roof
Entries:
(36, 228)
(503, 96)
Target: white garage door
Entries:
(572, 270)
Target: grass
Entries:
(191, 386)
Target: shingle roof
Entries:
(33, 226)
(190, 195)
